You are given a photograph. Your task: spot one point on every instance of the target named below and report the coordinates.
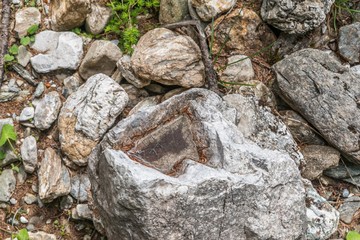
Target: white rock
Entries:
(25, 18)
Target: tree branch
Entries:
(5, 23)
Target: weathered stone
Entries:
(217, 176)
(7, 185)
(239, 69)
(349, 42)
(47, 110)
(72, 84)
(30, 198)
(58, 51)
(124, 67)
(68, 14)
(295, 16)
(326, 93)
(23, 56)
(322, 218)
(135, 94)
(87, 114)
(172, 11)
(302, 132)
(343, 171)
(29, 154)
(100, 58)
(40, 236)
(54, 178)
(165, 57)
(27, 114)
(80, 186)
(66, 202)
(81, 211)
(25, 18)
(144, 104)
(97, 19)
(208, 9)
(39, 90)
(240, 32)
(317, 159)
(349, 208)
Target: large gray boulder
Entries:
(183, 170)
(326, 93)
(295, 16)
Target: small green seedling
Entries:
(22, 235)
(353, 235)
(7, 134)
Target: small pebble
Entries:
(13, 201)
(345, 193)
(48, 221)
(23, 220)
(30, 227)
(39, 89)
(30, 198)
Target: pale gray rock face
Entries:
(317, 159)
(69, 14)
(57, 51)
(208, 9)
(124, 67)
(239, 69)
(80, 186)
(326, 93)
(27, 114)
(322, 218)
(40, 236)
(98, 18)
(295, 16)
(25, 18)
(23, 56)
(82, 211)
(29, 154)
(7, 185)
(87, 114)
(172, 11)
(168, 58)
(54, 178)
(182, 169)
(100, 58)
(47, 110)
(349, 42)
(349, 208)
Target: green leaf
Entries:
(23, 234)
(353, 235)
(7, 133)
(15, 168)
(14, 49)
(8, 58)
(33, 29)
(25, 41)
(2, 155)
(32, 39)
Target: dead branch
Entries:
(5, 24)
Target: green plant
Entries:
(7, 134)
(124, 20)
(30, 3)
(340, 6)
(353, 235)
(21, 235)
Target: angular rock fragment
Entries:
(25, 18)
(172, 11)
(182, 169)
(80, 186)
(97, 19)
(47, 110)
(7, 184)
(29, 154)
(349, 42)
(239, 69)
(87, 114)
(208, 9)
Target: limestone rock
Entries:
(349, 208)
(23, 56)
(47, 110)
(80, 186)
(239, 69)
(208, 9)
(295, 16)
(87, 114)
(72, 84)
(25, 18)
(40, 236)
(58, 51)
(100, 58)
(165, 57)
(29, 154)
(317, 159)
(172, 11)
(68, 14)
(27, 114)
(326, 93)
(124, 67)
(242, 31)
(349, 42)
(97, 19)
(7, 185)
(183, 170)
(54, 178)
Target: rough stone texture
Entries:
(97, 19)
(29, 156)
(72, 84)
(7, 185)
(25, 18)
(326, 93)
(349, 173)
(135, 94)
(295, 16)
(349, 42)
(23, 56)
(208, 9)
(69, 14)
(349, 208)
(220, 186)
(54, 178)
(322, 218)
(239, 69)
(317, 159)
(87, 114)
(40, 236)
(100, 58)
(80, 186)
(172, 11)
(168, 58)
(124, 67)
(82, 211)
(26, 114)
(247, 33)
(58, 51)
(47, 110)
(302, 132)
